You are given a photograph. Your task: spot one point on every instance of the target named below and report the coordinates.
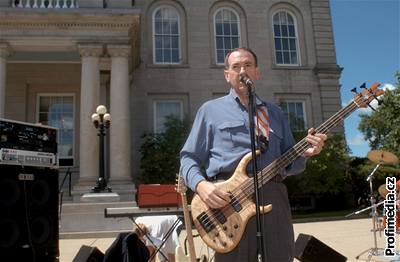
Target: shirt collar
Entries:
(235, 97)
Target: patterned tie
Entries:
(262, 127)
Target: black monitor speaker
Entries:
(89, 254)
(310, 249)
(29, 213)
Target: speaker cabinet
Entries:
(29, 213)
(88, 254)
(310, 249)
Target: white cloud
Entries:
(356, 140)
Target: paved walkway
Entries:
(348, 237)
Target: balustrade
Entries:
(45, 3)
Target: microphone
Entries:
(246, 80)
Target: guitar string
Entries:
(268, 173)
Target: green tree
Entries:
(160, 152)
(381, 128)
(325, 173)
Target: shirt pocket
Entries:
(233, 135)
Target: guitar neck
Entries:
(296, 151)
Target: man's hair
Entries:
(240, 49)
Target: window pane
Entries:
(235, 42)
(175, 55)
(174, 28)
(167, 55)
(159, 56)
(227, 29)
(292, 44)
(166, 28)
(158, 42)
(218, 28)
(227, 43)
(158, 27)
(285, 44)
(279, 58)
(220, 56)
(220, 44)
(284, 30)
(278, 45)
(167, 42)
(286, 58)
(277, 30)
(175, 42)
(293, 57)
(291, 30)
(235, 30)
(276, 19)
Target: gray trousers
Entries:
(277, 227)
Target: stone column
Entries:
(120, 146)
(90, 90)
(5, 51)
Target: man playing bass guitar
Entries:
(219, 139)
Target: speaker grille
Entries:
(29, 213)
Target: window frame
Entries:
(155, 101)
(153, 35)
(221, 9)
(303, 104)
(37, 115)
(296, 29)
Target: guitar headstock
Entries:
(180, 184)
(364, 98)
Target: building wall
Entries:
(198, 78)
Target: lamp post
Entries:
(101, 120)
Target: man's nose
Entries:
(242, 69)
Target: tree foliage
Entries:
(160, 152)
(381, 128)
(325, 173)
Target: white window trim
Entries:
(215, 33)
(298, 53)
(155, 110)
(154, 38)
(38, 95)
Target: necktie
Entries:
(262, 127)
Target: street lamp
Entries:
(101, 120)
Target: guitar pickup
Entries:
(219, 215)
(235, 204)
(205, 222)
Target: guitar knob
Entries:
(224, 244)
(224, 228)
(217, 234)
(235, 226)
(231, 235)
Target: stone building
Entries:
(147, 59)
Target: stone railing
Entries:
(45, 3)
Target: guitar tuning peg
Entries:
(363, 86)
(354, 90)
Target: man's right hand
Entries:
(211, 195)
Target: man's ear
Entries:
(257, 73)
(226, 74)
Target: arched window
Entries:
(166, 36)
(227, 33)
(285, 36)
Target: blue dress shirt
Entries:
(220, 137)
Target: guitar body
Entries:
(224, 237)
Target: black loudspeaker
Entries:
(310, 249)
(28, 214)
(88, 254)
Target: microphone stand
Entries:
(252, 113)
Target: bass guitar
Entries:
(221, 229)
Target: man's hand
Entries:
(211, 195)
(316, 143)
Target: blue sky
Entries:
(367, 40)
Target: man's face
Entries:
(241, 62)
